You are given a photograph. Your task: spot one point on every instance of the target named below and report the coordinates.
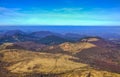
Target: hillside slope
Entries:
(83, 59)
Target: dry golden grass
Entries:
(28, 62)
(46, 63)
(76, 47)
(3, 46)
(91, 39)
(90, 73)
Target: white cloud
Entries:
(10, 12)
(57, 16)
(68, 10)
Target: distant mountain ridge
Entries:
(39, 36)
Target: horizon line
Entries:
(63, 25)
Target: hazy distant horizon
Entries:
(65, 29)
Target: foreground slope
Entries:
(21, 61)
(18, 62)
(94, 51)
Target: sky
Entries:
(60, 12)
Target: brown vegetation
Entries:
(91, 59)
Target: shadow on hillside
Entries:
(95, 57)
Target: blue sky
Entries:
(60, 12)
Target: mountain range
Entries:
(49, 54)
